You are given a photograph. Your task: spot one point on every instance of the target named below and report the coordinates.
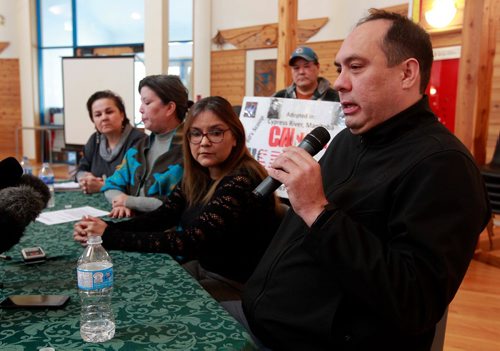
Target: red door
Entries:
(442, 90)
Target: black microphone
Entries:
(312, 143)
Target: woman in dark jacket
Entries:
(105, 148)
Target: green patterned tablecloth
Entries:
(157, 305)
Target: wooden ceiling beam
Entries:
(266, 35)
(3, 45)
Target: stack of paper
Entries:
(69, 215)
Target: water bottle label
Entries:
(95, 279)
(47, 179)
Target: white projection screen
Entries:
(83, 76)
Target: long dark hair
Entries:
(196, 181)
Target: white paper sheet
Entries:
(69, 215)
(66, 186)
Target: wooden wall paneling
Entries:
(326, 51)
(444, 39)
(106, 51)
(10, 106)
(228, 75)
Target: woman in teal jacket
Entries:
(152, 168)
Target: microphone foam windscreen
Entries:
(10, 172)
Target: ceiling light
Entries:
(55, 10)
(135, 16)
(441, 13)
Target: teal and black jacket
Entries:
(165, 172)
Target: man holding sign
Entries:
(306, 83)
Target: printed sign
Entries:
(272, 124)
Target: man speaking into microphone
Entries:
(382, 229)
(312, 144)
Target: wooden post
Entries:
(485, 76)
(287, 40)
(474, 77)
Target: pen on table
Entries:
(5, 257)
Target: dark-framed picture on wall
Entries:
(264, 77)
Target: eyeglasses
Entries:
(214, 136)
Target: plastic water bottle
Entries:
(47, 176)
(95, 285)
(25, 163)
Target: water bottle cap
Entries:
(94, 239)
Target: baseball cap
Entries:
(303, 52)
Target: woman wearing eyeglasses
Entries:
(211, 220)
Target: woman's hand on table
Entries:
(120, 212)
(91, 184)
(88, 226)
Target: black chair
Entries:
(491, 175)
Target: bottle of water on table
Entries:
(47, 176)
(25, 163)
(95, 285)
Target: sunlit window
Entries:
(56, 20)
(109, 22)
(180, 18)
(110, 27)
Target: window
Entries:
(56, 19)
(110, 27)
(109, 22)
